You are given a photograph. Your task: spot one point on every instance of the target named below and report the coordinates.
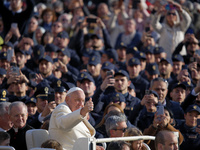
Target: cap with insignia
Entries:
(3, 95)
(111, 53)
(122, 73)
(43, 89)
(17, 50)
(177, 57)
(87, 52)
(132, 50)
(193, 108)
(149, 49)
(108, 66)
(38, 51)
(182, 85)
(158, 50)
(85, 76)
(51, 48)
(152, 68)
(133, 61)
(94, 60)
(9, 44)
(47, 58)
(117, 97)
(63, 35)
(3, 55)
(65, 51)
(122, 45)
(168, 60)
(140, 55)
(31, 100)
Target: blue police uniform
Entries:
(141, 85)
(191, 138)
(144, 119)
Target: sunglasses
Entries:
(169, 13)
(123, 129)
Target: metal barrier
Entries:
(90, 143)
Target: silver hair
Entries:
(112, 122)
(158, 79)
(4, 108)
(18, 103)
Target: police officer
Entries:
(50, 50)
(45, 103)
(46, 68)
(134, 68)
(21, 61)
(178, 93)
(122, 82)
(62, 40)
(152, 71)
(94, 68)
(2, 75)
(149, 51)
(86, 82)
(69, 73)
(159, 53)
(4, 63)
(165, 68)
(189, 129)
(178, 62)
(31, 106)
(6, 46)
(121, 52)
(38, 53)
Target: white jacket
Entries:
(67, 126)
(171, 37)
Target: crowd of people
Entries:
(100, 68)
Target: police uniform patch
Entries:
(58, 83)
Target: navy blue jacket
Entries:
(191, 138)
(141, 85)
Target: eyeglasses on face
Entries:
(170, 13)
(123, 129)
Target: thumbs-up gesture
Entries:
(89, 106)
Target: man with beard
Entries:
(46, 68)
(165, 68)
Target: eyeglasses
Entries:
(123, 129)
(169, 13)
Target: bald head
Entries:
(166, 140)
